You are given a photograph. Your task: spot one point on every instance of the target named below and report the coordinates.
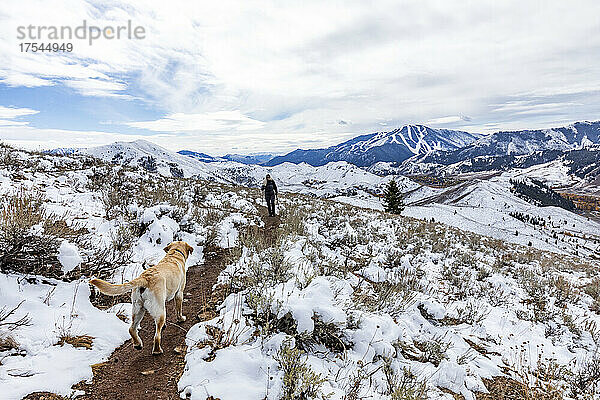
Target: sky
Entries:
(270, 76)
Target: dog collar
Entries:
(180, 252)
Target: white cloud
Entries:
(304, 66)
(11, 112)
(215, 143)
(448, 120)
(16, 79)
(98, 87)
(7, 122)
(523, 107)
(215, 121)
(37, 139)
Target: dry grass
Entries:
(84, 341)
(505, 388)
(7, 342)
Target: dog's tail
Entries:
(115, 290)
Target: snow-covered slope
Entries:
(330, 180)
(488, 207)
(350, 302)
(149, 156)
(394, 146)
(503, 150)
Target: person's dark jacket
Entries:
(270, 188)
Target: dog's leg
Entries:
(179, 307)
(179, 303)
(138, 312)
(160, 324)
(154, 303)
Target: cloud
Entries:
(11, 112)
(16, 79)
(214, 143)
(523, 107)
(98, 87)
(215, 121)
(6, 122)
(297, 70)
(448, 120)
(37, 139)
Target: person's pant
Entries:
(271, 204)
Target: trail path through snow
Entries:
(137, 374)
(134, 374)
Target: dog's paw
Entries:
(182, 318)
(138, 346)
(157, 352)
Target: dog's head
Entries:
(183, 247)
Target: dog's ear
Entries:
(190, 249)
(166, 249)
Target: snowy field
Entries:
(372, 306)
(348, 302)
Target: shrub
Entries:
(404, 386)
(387, 296)
(537, 292)
(30, 236)
(434, 350)
(585, 381)
(327, 334)
(292, 220)
(9, 324)
(102, 259)
(474, 312)
(563, 291)
(8, 158)
(299, 380)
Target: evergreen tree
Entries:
(392, 201)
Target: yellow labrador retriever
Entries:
(152, 289)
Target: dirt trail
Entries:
(134, 374)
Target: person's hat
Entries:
(268, 176)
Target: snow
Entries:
(54, 308)
(133, 153)
(501, 330)
(238, 372)
(68, 255)
(227, 231)
(341, 257)
(302, 304)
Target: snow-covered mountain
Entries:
(503, 150)
(198, 156)
(151, 157)
(393, 146)
(331, 180)
(249, 159)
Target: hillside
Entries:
(331, 180)
(340, 300)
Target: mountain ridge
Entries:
(394, 146)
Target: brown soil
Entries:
(137, 374)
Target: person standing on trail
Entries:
(270, 189)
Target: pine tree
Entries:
(392, 201)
